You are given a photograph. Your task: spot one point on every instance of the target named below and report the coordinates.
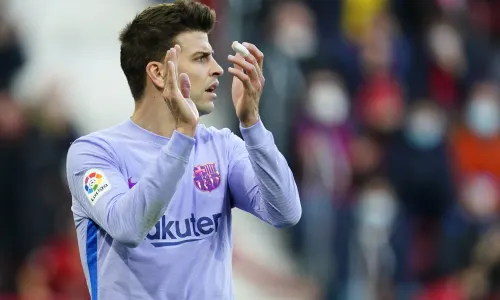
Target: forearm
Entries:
(278, 201)
(149, 199)
(129, 213)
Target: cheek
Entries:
(197, 76)
(196, 83)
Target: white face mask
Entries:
(328, 104)
(377, 210)
(296, 41)
(483, 117)
(425, 130)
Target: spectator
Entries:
(285, 82)
(476, 141)
(379, 101)
(323, 137)
(11, 53)
(12, 128)
(372, 262)
(418, 165)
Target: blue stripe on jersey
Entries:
(92, 230)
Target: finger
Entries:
(238, 67)
(176, 99)
(250, 69)
(256, 53)
(171, 79)
(165, 66)
(178, 48)
(166, 59)
(244, 78)
(251, 59)
(175, 60)
(178, 51)
(185, 85)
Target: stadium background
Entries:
(388, 111)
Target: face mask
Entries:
(425, 130)
(483, 117)
(377, 209)
(328, 104)
(296, 41)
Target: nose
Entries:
(216, 69)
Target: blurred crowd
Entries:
(387, 110)
(37, 242)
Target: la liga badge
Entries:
(95, 185)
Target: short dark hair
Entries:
(153, 31)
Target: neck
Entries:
(152, 114)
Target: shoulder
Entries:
(98, 145)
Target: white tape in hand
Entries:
(240, 49)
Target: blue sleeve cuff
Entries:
(180, 146)
(255, 135)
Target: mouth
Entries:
(212, 87)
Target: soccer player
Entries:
(152, 196)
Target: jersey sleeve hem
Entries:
(180, 146)
(255, 136)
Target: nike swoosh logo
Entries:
(130, 183)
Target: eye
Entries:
(202, 59)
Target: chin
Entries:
(205, 108)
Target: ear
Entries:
(156, 72)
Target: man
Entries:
(152, 197)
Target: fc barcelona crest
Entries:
(206, 177)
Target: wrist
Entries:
(249, 122)
(187, 131)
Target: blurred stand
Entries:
(77, 42)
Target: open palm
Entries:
(243, 99)
(248, 83)
(176, 92)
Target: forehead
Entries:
(194, 41)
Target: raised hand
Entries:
(176, 93)
(248, 83)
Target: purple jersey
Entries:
(153, 214)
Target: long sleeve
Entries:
(103, 192)
(260, 179)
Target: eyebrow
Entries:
(203, 53)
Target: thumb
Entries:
(185, 85)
